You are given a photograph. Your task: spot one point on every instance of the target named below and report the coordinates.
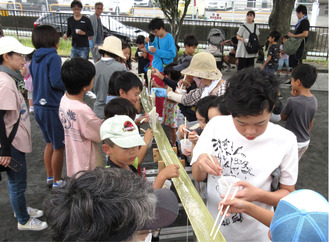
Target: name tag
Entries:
(83, 22)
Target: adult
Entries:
(301, 31)
(15, 132)
(79, 27)
(98, 37)
(108, 205)
(246, 59)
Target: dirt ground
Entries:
(313, 173)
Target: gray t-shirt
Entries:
(241, 51)
(300, 111)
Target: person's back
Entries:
(300, 109)
(81, 125)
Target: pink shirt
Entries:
(13, 102)
(81, 129)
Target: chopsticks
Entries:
(190, 132)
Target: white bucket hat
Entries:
(122, 131)
(11, 44)
(112, 45)
(203, 65)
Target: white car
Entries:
(219, 5)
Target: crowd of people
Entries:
(226, 121)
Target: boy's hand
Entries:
(5, 160)
(236, 205)
(148, 136)
(193, 137)
(249, 192)
(147, 40)
(145, 119)
(170, 171)
(157, 73)
(181, 131)
(153, 49)
(206, 165)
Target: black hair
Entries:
(120, 106)
(1, 56)
(140, 39)
(127, 81)
(45, 36)
(170, 71)
(250, 91)
(114, 56)
(99, 3)
(151, 37)
(76, 74)
(220, 103)
(112, 83)
(251, 13)
(1, 32)
(190, 40)
(275, 34)
(76, 3)
(203, 105)
(128, 62)
(306, 73)
(301, 8)
(156, 23)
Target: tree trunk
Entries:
(280, 17)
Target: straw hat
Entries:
(203, 65)
(112, 45)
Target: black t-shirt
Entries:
(142, 62)
(304, 25)
(274, 52)
(83, 24)
(111, 164)
(189, 111)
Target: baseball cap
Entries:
(166, 210)
(11, 44)
(122, 131)
(301, 216)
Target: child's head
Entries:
(120, 106)
(126, 49)
(171, 72)
(121, 140)
(217, 107)
(12, 53)
(250, 97)
(112, 47)
(284, 39)
(112, 83)
(301, 10)
(190, 43)
(274, 36)
(129, 86)
(305, 73)
(157, 27)
(201, 110)
(140, 41)
(78, 75)
(45, 36)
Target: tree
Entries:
(280, 17)
(173, 15)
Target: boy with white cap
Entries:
(122, 141)
(15, 132)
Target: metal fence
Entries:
(21, 23)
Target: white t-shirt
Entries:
(249, 160)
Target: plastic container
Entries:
(223, 187)
(151, 47)
(181, 91)
(77, 30)
(185, 145)
(140, 54)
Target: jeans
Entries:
(269, 69)
(82, 52)
(17, 186)
(281, 62)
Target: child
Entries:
(247, 146)
(284, 58)
(15, 132)
(111, 52)
(300, 109)
(48, 90)
(121, 141)
(28, 81)
(190, 44)
(126, 49)
(271, 61)
(141, 55)
(80, 123)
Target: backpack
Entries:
(253, 45)
(291, 46)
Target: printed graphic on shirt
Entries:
(67, 119)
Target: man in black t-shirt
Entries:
(80, 28)
(301, 31)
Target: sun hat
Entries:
(122, 131)
(301, 216)
(113, 45)
(11, 44)
(203, 65)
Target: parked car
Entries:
(111, 26)
(118, 6)
(39, 5)
(219, 5)
(196, 7)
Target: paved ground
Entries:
(313, 170)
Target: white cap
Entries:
(11, 44)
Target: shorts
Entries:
(50, 125)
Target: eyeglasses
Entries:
(20, 55)
(99, 8)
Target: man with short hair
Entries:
(97, 38)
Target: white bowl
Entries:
(185, 145)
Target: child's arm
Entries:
(203, 166)
(55, 65)
(269, 57)
(91, 129)
(311, 125)
(142, 152)
(167, 173)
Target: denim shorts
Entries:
(50, 125)
(82, 52)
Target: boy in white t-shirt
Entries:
(80, 123)
(247, 146)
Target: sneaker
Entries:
(50, 181)
(33, 224)
(91, 95)
(59, 184)
(33, 212)
(31, 109)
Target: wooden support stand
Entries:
(161, 164)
